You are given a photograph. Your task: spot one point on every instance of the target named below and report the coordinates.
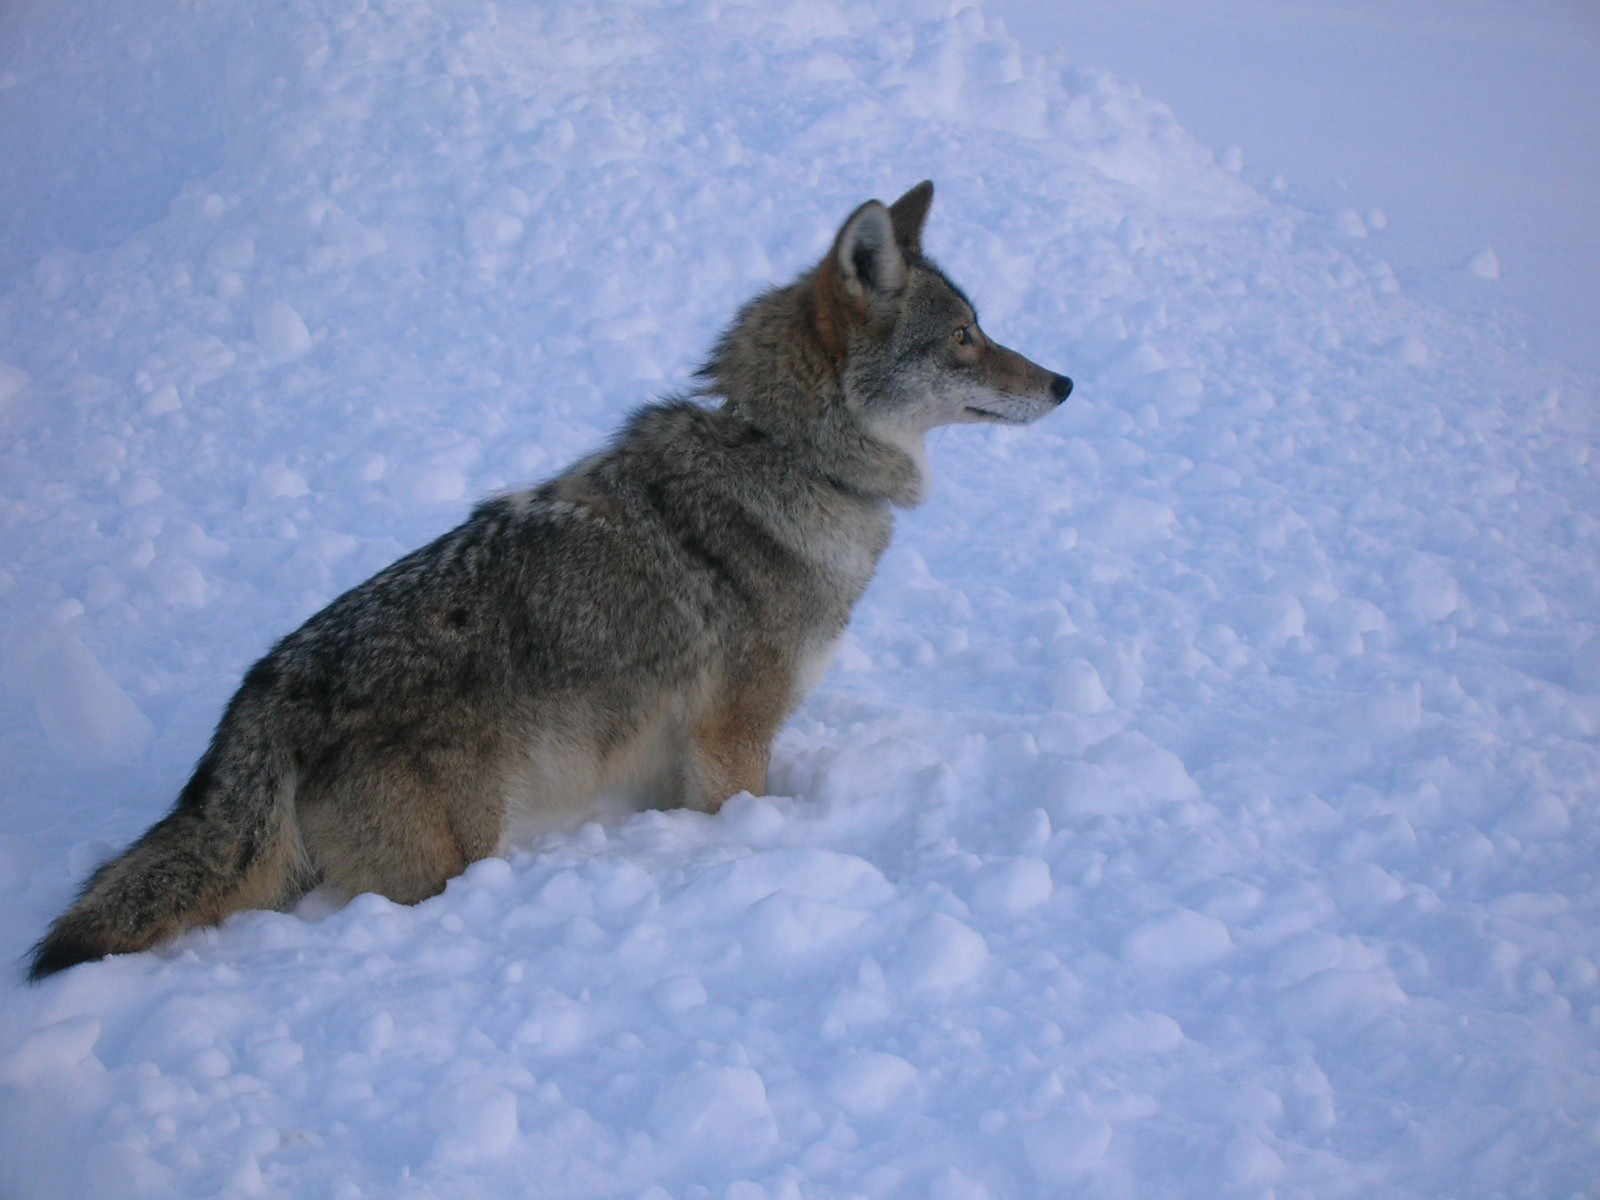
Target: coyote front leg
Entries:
(730, 746)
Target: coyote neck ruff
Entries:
(639, 626)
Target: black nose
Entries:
(1060, 387)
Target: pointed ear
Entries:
(871, 267)
(908, 214)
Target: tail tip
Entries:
(56, 952)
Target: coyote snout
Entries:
(641, 625)
(1015, 391)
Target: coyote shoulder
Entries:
(641, 624)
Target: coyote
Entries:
(639, 626)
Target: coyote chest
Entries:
(639, 627)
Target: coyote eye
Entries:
(963, 336)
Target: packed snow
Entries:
(1202, 804)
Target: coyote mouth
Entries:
(991, 415)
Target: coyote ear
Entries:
(871, 267)
(908, 214)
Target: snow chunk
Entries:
(371, 467)
(1426, 589)
(1126, 522)
(491, 229)
(1013, 886)
(1247, 1102)
(1125, 773)
(1128, 1034)
(437, 484)
(12, 381)
(784, 928)
(1273, 621)
(139, 489)
(1540, 818)
(1076, 687)
(17, 858)
(558, 1025)
(954, 1184)
(1349, 223)
(232, 252)
(1339, 996)
(475, 1119)
(815, 874)
(1176, 393)
(80, 706)
(275, 481)
(1251, 1163)
(1365, 887)
(210, 1063)
(715, 1112)
(1583, 671)
(1347, 619)
(1411, 350)
(56, 272)
(280, 331)
(1060, 1148)
(679, 994)
(1384, 717)
(51, 1052)
(940, 954)
(177, 581)
(752, 818)
(1176, 940)
(163, 400)
(1528, 906)
(278, 1055)
(1311, 950)
(346, 241)
(870, 1083)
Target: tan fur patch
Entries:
(732, 742)
(833, 311)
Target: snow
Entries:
(1203, 801)
(1455, 126)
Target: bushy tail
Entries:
(230, 842)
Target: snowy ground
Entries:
(1204, 803)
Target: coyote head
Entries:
(914, 355)
(875, 344)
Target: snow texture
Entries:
(1202, 804)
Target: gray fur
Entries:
(641, 624)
